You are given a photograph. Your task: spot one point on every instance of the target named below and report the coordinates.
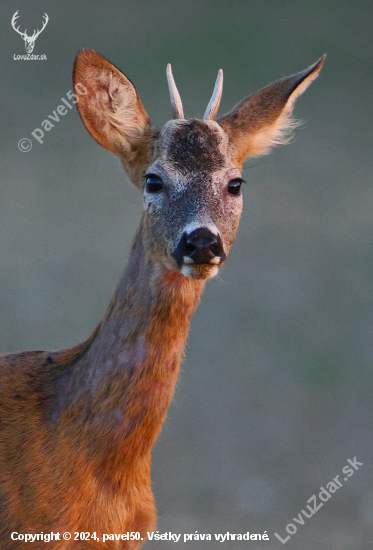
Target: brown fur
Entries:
(89, 469)
(77, 426)
(264, 119)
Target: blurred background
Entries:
(275, 392)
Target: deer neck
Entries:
(126, 379)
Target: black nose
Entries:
(201, 246)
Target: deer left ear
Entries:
(264, 119)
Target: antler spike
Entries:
(177, 106)
(213, 106)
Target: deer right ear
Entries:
(111, 109)
(264, 119)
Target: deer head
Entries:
(29, 40)
(190, 171)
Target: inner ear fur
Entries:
(112, 110)
(264, 119)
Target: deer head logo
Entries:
(29, 40)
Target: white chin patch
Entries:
(199, 271)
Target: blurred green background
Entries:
(275, 393)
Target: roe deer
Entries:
(77, 426)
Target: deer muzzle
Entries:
(201, 246)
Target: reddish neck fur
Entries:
(121, 388)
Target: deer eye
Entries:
(153, 183)
(234, 186)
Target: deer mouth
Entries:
(199, 271)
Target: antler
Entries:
(37, 32)
(177, 106)
(13, 22)
(213, 106)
